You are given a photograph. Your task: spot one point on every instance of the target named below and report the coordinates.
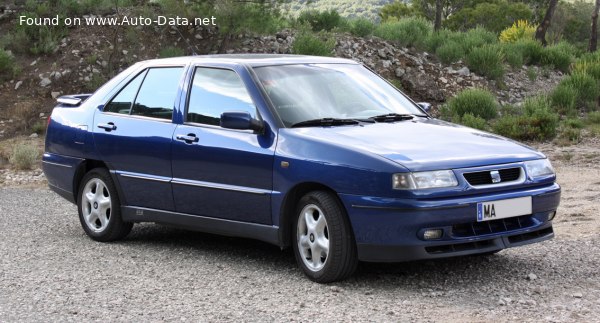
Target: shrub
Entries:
(531, 74)
(8, 68)
(171, 52)
(361, 27)
(450, 52)
(406, 31)
(310, 44)
(24, 156)
(563, 99)
(494, 16)
(570, 130)
(592, 68)
(530, 50)
(520, 29)
(514, 59)
(39, 127)
(477, 102)
(477, 37)
(593, 118)
(471, 121)
(556, 56)
(439, 38)
(320, 20)
(487, 61)
(537, 122)
(586, 86)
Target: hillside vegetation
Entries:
(465, 68)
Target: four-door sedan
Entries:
(320, 154)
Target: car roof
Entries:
(252, 60)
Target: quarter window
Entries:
(122, 102)
(215, 91)
(157, 95)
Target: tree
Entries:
(594, 32)
(396, 9)
(438, 15)
(540, 33)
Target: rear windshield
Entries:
(345, 91)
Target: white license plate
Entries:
(501, 209)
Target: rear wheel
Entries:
(100, 208)
(324, 247)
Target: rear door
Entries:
(133, 134)
(218, 172)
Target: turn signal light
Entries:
(432, 234)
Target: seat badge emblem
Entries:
(495, 176)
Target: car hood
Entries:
(426, 144)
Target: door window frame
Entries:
(176, 100)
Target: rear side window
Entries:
(123, 101)
(215, 91)
(157, 95)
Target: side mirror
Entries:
(241, 121)
(425, 106)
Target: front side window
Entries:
(342, 91)
(215, 91)
(123, 101)
(158, 92)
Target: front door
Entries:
(218, 172)
(133, 134)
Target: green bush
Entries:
(24, 156)
(537, 122)
(361, 27)
(587, 88)
(477, 37)
(493, 15)
(514, 59)
(487, 61)
(593, 118)
(407, 32)
(439, 38)
(529, 50)
(532, 74)
(450, 52)
(477, 102)
(320, 20)
(471, 121)
(8, 67)
(556, 56)
(570, 130)
(171, 52)
(563, 99)
(310, 44)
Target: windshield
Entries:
(339, 91)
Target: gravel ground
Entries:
(52, 272)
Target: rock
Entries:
(400, 72)
(45, 82)
(42, 114)
(443, 80)
(33, 63)
(386, 64)
(464, 71)
(198, 36)
(54, 96)
(532, 276)
(577, 295)
(125, 52)
(382, 53)
(33, 135)
(18, 85)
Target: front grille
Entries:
(474, 229)
(485, 178)
(457, 247)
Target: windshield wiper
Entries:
(390, 117)
(324, 122)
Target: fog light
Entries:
(432, 234)
(551, 216)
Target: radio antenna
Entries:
(187, 42)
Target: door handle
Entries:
(107, 126)
(189, 138)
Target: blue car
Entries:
(319, 154)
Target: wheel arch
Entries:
(289, 204)
(83, 168)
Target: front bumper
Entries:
(391, 230)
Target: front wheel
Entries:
(100, 208)
(324, 245)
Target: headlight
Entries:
(539, 168)
(422, 180)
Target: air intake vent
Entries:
(485, 177)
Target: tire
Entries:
(100, 208)
(321, 226)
